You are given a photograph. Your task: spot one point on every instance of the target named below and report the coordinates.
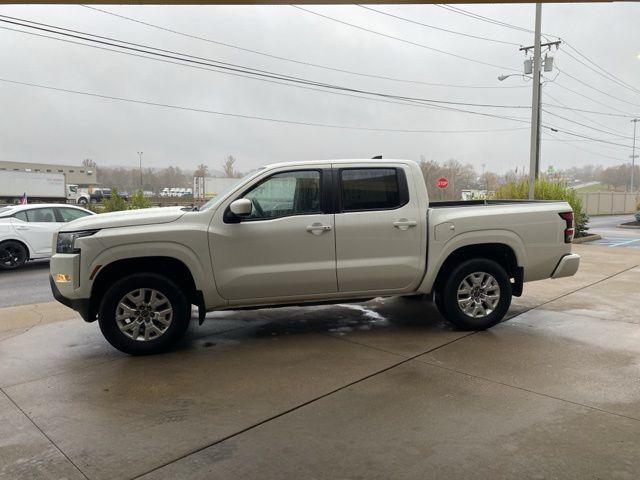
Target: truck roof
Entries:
(339, 161)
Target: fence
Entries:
(609, 203)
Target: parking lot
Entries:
(384, 389)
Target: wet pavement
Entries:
(380, 390)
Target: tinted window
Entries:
(289, 193)
(69, 214)
(370, 189)
(44, 215)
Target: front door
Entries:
(378, 229)
(285, 248)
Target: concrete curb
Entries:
(588, 238)
(630, 227)
(27, 316)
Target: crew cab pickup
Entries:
(306, 233)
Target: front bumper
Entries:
(567, 267)
(81, 305)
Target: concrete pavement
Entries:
(381, 390)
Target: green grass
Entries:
(597, 187)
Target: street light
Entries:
(140, 158)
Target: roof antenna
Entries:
(378, 157)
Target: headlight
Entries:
(66, 240)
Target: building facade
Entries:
(81, 176)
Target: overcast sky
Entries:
(48, 126)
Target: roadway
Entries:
(30, 284)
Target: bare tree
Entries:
(87, 162)
(228, 167)
(201, 171)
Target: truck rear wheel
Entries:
(143, 314)
(476, 295)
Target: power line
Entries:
(600, 70)
(169, 54)
(603, 72)
(595, 88)
(585, 149)
(291, 60)
(587, 126)
(246, 116)
(455, 32)
(582, 95)
(476, 16)
(575, 112)
(409, 42)
(573, 109)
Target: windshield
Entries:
(223, 191)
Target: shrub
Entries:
(114, 203)
(547, 190)
(138, 200)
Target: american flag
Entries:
(23, 199)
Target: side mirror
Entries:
(241, 207)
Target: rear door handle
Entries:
(404, 224)
(22, 228)
(318, 228)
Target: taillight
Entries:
(569, 231)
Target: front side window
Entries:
(284, 194)
(69, 214)
(41, 215)
(370, 189)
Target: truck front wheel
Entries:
(476, 295)
(143, 314)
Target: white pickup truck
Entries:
(306, 233)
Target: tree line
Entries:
(461, 176)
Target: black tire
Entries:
(12, 255)
(447, 296)
(174, 332)
(82, 201)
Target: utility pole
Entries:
(536, 98)
(534, 159)
(140, 158)
(633, 152)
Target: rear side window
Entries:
(41, 215)
(370, 189)
(69, 214)
(22, 215)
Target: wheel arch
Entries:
(167, 266)
(506, 248)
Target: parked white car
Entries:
(26, 231)
(303, 233)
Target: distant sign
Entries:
(443, 182)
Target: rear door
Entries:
(37, 226)
(378, 234)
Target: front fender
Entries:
(203, 281)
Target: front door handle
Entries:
(404, 224)
(318, 228)
(22, 228)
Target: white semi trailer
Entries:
(39, 187)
